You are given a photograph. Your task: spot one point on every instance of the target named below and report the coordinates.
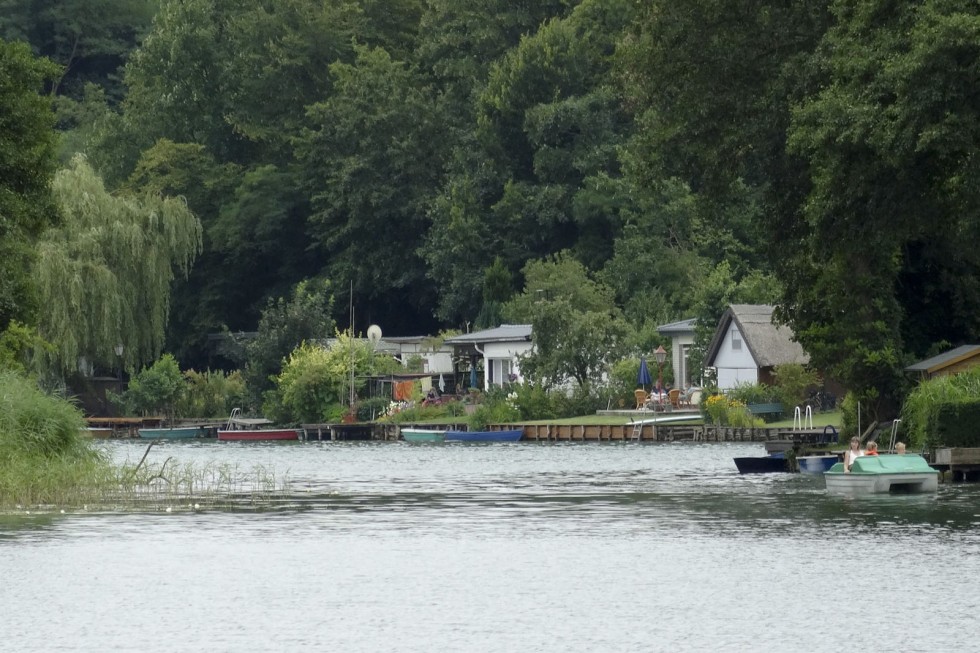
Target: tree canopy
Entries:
(447, 158)
(27, 164)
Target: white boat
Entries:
(883, 473)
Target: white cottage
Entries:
(500, 349)
(681, 336)
(747, 346)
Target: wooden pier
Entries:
(962, 464)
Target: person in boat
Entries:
(872, 449)
(852, 454)
(900, 448)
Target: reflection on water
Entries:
(543, 547)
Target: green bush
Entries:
(939, 411)
(583, 400)
(373, 408)
(311, 380)
(533, 402)
(155, 390)
(793, 382)
(722, 410)
(753, 393)
(44, 458)
(211, 393)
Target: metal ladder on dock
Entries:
(894, 435)
(801, 420)
(637, 431)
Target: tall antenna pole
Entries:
(352, 347)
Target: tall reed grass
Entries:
(921, 407)
(45, 461)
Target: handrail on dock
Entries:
(802, 420)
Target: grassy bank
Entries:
(47, 462)
(43, 456)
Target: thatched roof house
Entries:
(747, 346)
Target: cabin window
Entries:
(499, 370)
(736, 341)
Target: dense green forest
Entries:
(173, 168)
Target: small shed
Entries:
(747, 346)
(953, 361)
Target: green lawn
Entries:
(832, 417)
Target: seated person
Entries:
(871, 449)
(900, 448)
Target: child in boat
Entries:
(900, 448)
(872, 449)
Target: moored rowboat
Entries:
(258, 434)
(247, 428)
(175, 433)
(422, 435)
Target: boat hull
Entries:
(177, 433)
(422, 435)
(97, 432)
(761, 464)
(883, 474)
(816, 464)
(259, 434)
(881, 483)
(512, 435)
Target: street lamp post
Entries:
(119, 352)
(661, 355)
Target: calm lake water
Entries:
(505, 547)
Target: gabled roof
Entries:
(683, 326)
(503, 333)
(951, 357)
(769, 344)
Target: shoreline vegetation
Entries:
(47, 464)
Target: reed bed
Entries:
(47, 464)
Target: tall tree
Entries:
(534, 178)
(105, 274)
(373, 161)
(27, 163)
(578, 330)
(711, 83)
(89, 39)
(893, 140)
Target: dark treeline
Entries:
(821, 156)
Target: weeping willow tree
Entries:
(105, 273)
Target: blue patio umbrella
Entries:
(643, 378)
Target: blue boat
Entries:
(816, 464)
(485, 436)
(175, 433)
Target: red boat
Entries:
(244, 428)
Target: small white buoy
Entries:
(169, 509)
(197, 506)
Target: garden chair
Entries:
(641, 398)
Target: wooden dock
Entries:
(962, 464)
